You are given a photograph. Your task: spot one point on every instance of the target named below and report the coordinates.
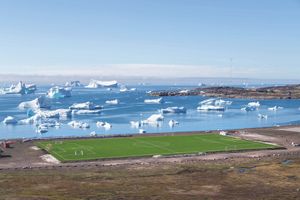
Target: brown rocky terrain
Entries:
(275, 92)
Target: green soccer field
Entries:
(101, 148)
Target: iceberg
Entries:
(105, 125)
(215, 102)
(213, 105)
(78, 124)
(10, 120)
(135, 124)
(252, 106)
(261, 116)
(85, 112)
(153, 119)
(31, 120)
(154, 101)
(210, 108)
(93, 134)
(20, 88)
(42, 129)
(59, 113)
(101, 84)
(73, 84)
(85, 106)
(172, 123)
(59, 92)
(40, 102)
(112, 102)
(173, 110)
(275, 108)
(141, 131)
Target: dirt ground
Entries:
(266, 174)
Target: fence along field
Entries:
(123, 147)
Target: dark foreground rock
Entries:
(276, 92)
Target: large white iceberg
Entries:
(213, 105)
(10, 120)
(85, 106)
(154, 101)
(252, 106)
(41, 115)
(173, 110)
(101, 84)
(20, 88)
(40, 102)
(59, 92)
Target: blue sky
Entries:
(151, 37)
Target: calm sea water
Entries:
(133, 108)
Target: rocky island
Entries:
(274, 92)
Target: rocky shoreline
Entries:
(275, 92)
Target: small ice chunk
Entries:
(275, 108)
(172, 123)
(85, 106)
(141, 131)
(261, 116)
(112, 102)
(173, 110)
(135, 124)
(105, 125)
(154, 101)
(10, 120)
(78, 124)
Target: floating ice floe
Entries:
(112, 102)
(85, 106)
(141, 131)
(275, 108)
(105, 125)
(261, 116)
(42, 129)
(59, 92)
(252, 106)
(213, 105)
(172, 123)
(40, 102)
(153, 119)
(20, 88)
(45, 125)
(93, 133)
(154, 101)
(101, 84)
(73, 84)
(78, 124)
(10, 120)
(173, 110)
(86, 112)
(135, 124)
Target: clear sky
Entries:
(151, 37)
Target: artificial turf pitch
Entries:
(124, 147)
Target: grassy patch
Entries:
(89, 149)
